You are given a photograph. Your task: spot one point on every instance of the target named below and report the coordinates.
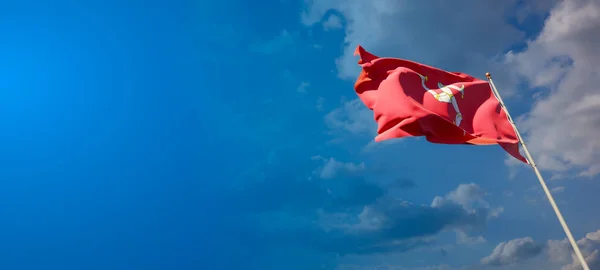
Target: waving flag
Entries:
(412, 99)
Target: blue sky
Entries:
(227, 135)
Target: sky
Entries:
(227, 135)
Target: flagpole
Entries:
(563, 223)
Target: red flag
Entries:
(412, 99)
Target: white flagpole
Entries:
(541, 179)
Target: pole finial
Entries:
(488, 75)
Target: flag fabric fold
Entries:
(412, 99)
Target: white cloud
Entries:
(557, 189)
(399, 219)
(564, 125)
(332, 167)
(517, 251)
(303, 87)
(352, 118)
(449, 34)
(464, 238)
(559, 251)
(589, 245)
(333, 22)
(471, 198)
(513, 252)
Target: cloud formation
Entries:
(333, 22)
(393, 224)
(513, 251)
(332, 167)
(435, 31)
(352, 119)
(561, 251)
(563, 126)
(339, 212)
(520, 250)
